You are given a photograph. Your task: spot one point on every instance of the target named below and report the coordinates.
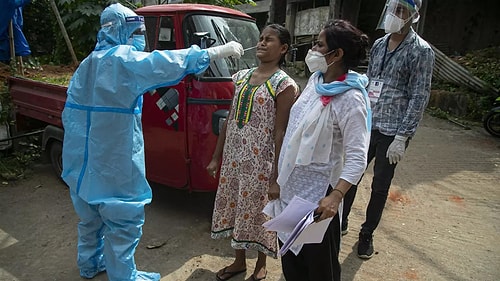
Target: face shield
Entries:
(397, 14)
(137, 37)
(121, 26)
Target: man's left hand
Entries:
(396, 149)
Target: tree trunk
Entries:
(64, 33)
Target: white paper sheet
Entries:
(291, 215)
(298, 220)
(313, 233)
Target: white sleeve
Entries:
(356, 136)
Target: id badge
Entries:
(374, 89)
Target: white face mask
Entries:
(393, 23)
(316, 61)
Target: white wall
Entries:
(311, 21)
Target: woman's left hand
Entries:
(328, 206)
(212, 167)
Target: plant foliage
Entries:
(484, 64)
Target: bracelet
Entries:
(341, 193)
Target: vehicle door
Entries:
(164, 114)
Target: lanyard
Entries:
(382, 66)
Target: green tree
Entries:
(80, 18)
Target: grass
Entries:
(62, 80)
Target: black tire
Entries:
(55, 152)
(492, 123)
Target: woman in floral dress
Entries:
(249, 145)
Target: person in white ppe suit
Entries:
(103, 150)
(400, 72)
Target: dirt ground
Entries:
(440, 223)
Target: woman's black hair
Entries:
(284, 36)
(342, 34)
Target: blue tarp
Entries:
(12, 10)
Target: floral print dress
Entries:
(247, 164)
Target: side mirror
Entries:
(203, 39)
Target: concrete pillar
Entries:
(334, 12)
(270, 15)
(291, 10)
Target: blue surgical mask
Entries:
(139, 42)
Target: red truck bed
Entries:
(38, 100)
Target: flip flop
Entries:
(230, 274)
(253, 278)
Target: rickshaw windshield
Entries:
(209, 31)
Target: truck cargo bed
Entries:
(38, 100)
